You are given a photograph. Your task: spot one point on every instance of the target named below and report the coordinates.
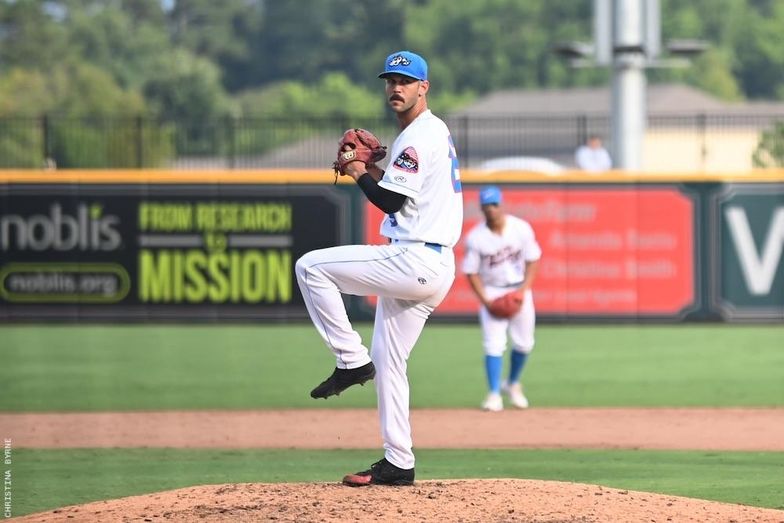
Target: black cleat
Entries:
(381, 473)
(341, 379)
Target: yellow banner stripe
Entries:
(317, 176)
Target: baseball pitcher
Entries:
(420, 193)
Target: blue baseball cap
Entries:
(490, 195)
(405, 63)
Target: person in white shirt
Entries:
(592, 156)
(502, 255)
(421, 194)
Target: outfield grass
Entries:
(140, 367)
(45, 479)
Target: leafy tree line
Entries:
(202, 60)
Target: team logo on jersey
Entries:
(398, 60)
(408, 161)
(507, 254)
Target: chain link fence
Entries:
(701, 142)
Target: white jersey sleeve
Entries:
(404, 174)
(423, 166)
(531, 249)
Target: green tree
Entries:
(760, 53)
(714, 21)
(746, 41)
(770, 149)
(71, 89)
(130, 40)
(334, 96)
(291, 111)
(223, 32)
(187, 87)
(145, 11)
(111, 38)
(91, 121)
(495, 44)
(320, 58)
(30, 36)
(187, 90)
(710, 72)
(22, 93)
(348, 36)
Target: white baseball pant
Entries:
(520, 326)
(410, 280)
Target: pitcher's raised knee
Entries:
(303, 265)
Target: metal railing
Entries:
(247, 143)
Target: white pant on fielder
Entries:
(410, 280)
(520, 326)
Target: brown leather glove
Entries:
(358, 145)
(507, 305)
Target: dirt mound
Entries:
(491, 500)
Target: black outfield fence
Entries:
(141, 246)
(246, 143)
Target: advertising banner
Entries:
(608, 251)
(160, 251)
(118, 249)
(747, 248)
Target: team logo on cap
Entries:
(399, 60)
(408, 161)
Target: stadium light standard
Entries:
(627, 38)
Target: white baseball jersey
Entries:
(499, 259)
(423, 166)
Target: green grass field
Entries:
(77, 368)
(93, 368)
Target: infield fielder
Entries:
(502, 256)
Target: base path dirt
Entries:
(607, 428)
(489, 500)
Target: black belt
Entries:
(435, 246)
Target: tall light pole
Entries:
(628, 83)
(627, 39)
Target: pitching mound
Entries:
(459, 500)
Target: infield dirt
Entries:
(435, 500)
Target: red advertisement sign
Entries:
(612, 251)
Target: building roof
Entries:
(661, 99)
